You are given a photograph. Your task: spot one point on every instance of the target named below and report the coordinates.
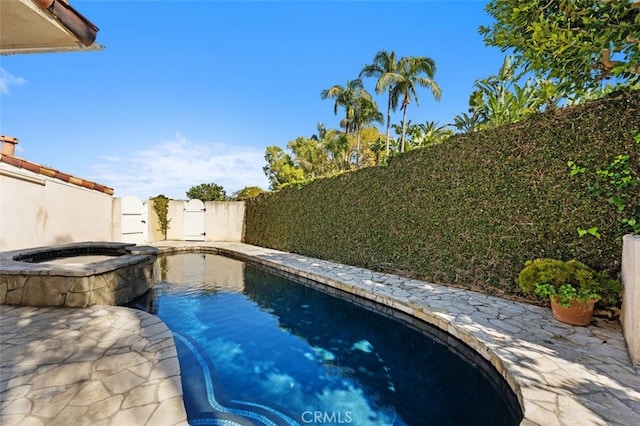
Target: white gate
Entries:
(194, 221)
(134, 221)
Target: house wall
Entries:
(36, 210)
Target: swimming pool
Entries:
(257, 348)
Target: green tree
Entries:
(207, 192)
(366, 113)
(377, 146)
(322, 130)
(500, 100)
(465, 122)
(429, 133)
(360, 110)
(348, 97)
(310, 155)
(505, 98)
(400, 78)
(384, 67)
(577, 43)
(339, 147)
(423, 134)
(247, 192)
(325, 153)
(372, 144)
(413, 71)
(280, 168)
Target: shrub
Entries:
(567, 281)
(469, 211)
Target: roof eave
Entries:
(44, 26)
(50, 49)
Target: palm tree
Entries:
(366, 112)
(401, 78)
(502, 99)
(384, 67)
(309, 155)
(465, 123)
(322, 131)
(422, 134)
(346, 97)
(408, 77)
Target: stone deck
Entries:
(109, 365)
(102, 365)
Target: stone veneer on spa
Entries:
(27, 278)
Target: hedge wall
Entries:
(471, 211)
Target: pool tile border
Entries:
(561, 374)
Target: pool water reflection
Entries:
(257, 348)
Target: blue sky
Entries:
(189, 92)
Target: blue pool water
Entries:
(257, 348)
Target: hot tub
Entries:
(77, 275)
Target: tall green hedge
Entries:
(472, 210)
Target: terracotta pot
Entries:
(578, 313)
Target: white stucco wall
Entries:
(224, 221)
(153, 223)
(176, 220)
(36, 210)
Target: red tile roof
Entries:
(53, 173)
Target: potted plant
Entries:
(572, 287)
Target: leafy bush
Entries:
(469, 211)
(567, 281)
(207, 192)
(247, 192)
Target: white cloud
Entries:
(172, 167)
(7, 80)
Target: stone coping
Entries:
(561, 374)
(20, 262)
